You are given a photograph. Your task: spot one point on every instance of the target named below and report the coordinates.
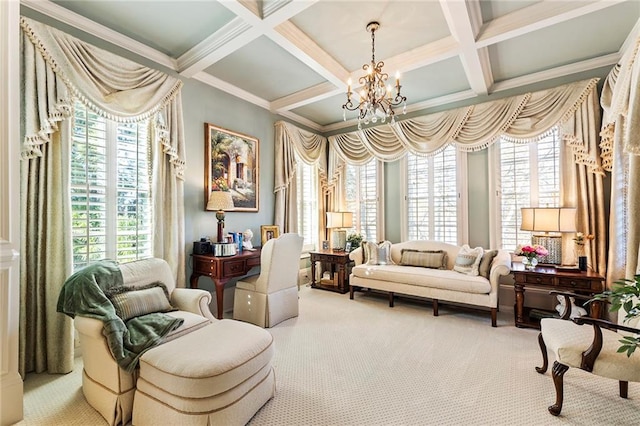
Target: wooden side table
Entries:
(548, 277)
(222, 269)
(338, 262)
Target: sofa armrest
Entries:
(192, 300)
(500, 266)
(356, 256)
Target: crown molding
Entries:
(587, 65)
(68, 17)
(301, 120)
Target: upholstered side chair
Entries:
(592, 349)
(271, 297)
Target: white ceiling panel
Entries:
(169, 26)
(294, 57)
(265, 69)
(339, 27)
(579, 39)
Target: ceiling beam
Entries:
(304, 97)
(536, 17)
(464, 20)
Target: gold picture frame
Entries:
(268, 232)
(232, 164)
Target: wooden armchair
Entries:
(594, 350)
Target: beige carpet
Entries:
(359, 362)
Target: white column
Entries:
(11, 390)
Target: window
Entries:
(529, 176)
(433, 201)
(110, 190)
(362, 198)
(307, 191)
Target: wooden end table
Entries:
(549, 277)
(220, 269)
(338, 262)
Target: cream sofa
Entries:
(436, 284)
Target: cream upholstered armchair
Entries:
(153, 354)
(109, 388)
(592, 349)
(271, 297)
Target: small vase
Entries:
(530, 262)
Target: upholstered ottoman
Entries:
(220, 374)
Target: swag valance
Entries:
(522, 118)
(59, 68)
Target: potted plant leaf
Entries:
(355, 240)
(625, 294)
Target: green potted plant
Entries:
(625, 294)
(355, 240)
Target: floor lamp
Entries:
(337, 221)
(543, 220)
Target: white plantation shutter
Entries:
(307, 190)
(432, 197)
(110, 190)
(529, 177)
(363, 199)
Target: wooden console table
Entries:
(221, 269)
(335, 259)
(587, 283)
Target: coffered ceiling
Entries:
(294, 57)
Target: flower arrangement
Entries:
(581, 239)
(532, 252)
(219, 184)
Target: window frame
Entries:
(462, 229)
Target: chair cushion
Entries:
(568, 340)
(197, 365)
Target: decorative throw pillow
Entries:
(377, 254)
(131, 302)
(468, 260)
(485, 263)
(434, 259)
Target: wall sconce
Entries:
(336, 221)
(549, 219)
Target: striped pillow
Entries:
(434, 259)
(131, 302)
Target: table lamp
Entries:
(545, 220)
(220, 201)
(336, 221)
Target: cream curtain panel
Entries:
(291, 142)
(57, 70)
(524, 118)
(620, 101)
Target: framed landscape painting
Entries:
(232, 165)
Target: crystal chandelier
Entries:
(376, 100)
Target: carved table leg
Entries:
(313, 273)
(519, 290)
(545, 358)
(557, 372)
(219, 296)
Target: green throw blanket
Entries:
(83, 294)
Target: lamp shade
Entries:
(339, 219)
(548, 219)
(220, 200)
